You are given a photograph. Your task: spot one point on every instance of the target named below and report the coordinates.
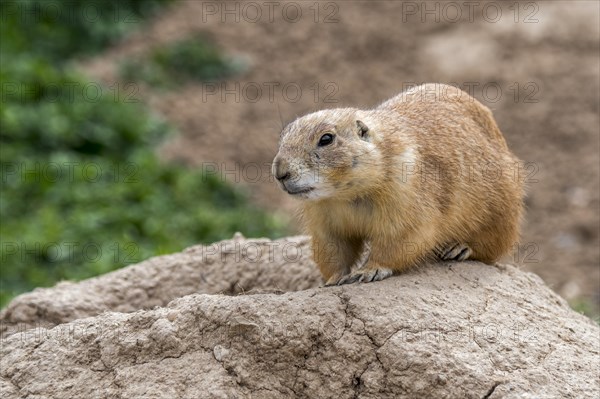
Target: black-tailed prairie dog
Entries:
(425, 175)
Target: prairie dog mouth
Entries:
(298, 192)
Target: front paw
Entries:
(333, 280)
(365, 275)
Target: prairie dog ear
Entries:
(363, 130)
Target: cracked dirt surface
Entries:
(203, 323)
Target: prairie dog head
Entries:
(326, 154)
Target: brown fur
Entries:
(399, 186)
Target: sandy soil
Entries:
(536, 65)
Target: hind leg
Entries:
(456, 251)
(494, 241)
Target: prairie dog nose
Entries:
(283, 177)
(280, 169)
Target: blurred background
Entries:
(136, 128)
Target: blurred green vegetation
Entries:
(192, 58)
(60, 29)
(82, 192)
(587, 307)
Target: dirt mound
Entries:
(445, 330)
(227, 267)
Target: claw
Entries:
(464, 254)
(457, 252)
(333, 281)
(366, 276)
(349, 279)
(382, 274)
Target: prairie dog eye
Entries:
(325, 139)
